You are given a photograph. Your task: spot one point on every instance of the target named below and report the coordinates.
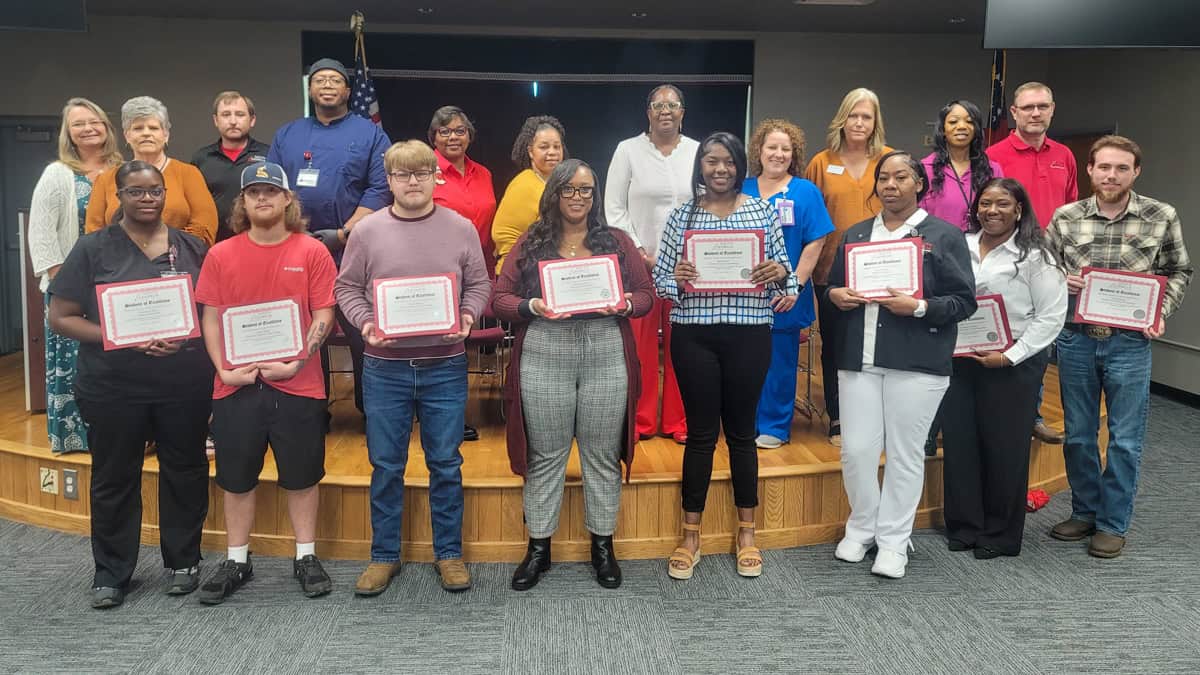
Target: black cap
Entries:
(329, 64)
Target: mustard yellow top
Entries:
(189, 205)
(849, 200)
(518, 209)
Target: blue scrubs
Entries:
(810, 222)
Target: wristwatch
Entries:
(919, 312)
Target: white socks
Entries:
(305, 549)
(239, 554)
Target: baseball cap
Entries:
(329, 64)
(264, 172)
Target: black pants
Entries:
(986, 417)
(721, 370)
(117, 434)
(355, 339)
(828, 315)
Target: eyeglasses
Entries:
(422, 176)
(138, 193)
(85, 124)
(331, 80)
(1040, 107)
(659, 106)
(447, 132)
(569, 191)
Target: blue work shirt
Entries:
(811, 223)
(348, 152)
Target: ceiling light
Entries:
(425, 10)
(848, 3)
(638, 15)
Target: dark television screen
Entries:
(68, 15)
(1048, 24)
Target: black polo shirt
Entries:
(108, 256)
(224, 178)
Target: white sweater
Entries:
(53, 220)
(643, 187)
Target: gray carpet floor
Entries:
(1052, 610)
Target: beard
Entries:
(1109, 196)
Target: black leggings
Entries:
(721, 369)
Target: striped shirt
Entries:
(1146, 238)
(748, 308)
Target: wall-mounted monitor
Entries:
(1066, 24)
(62, 15)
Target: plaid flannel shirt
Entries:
(1147, 238)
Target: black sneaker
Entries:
(313, 579)
(227, 579)
(184, 581)
(106, 597)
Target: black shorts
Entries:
(257, 414)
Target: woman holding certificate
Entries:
(140, 377)
(723, 264)
(569, 288)
(993, 393)
(903, 282)
(539, 147)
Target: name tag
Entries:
(787, 212)
(835, 169)
(308, 177)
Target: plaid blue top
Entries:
(746, 308)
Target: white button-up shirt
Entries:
(1034, 292)
(643, 187)
(871, 312)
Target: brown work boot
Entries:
(454, 574)
(1047, 435)
(1105, 545)
(1072, 530)
(376, 578)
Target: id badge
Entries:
(787, 212)
(308, 177)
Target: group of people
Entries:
(331, 206)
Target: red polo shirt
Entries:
(472, 196)
(1048, 173)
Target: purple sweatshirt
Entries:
(384, 245)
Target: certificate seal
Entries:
(605, 293)
(1139, 313)
(993, 336)
(745, 273)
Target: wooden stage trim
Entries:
(800, 485)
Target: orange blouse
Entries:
(189, 205)
(848, 200)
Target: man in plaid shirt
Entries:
(1116, 229)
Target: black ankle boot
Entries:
(536, 562)
(604, 561)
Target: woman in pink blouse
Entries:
(958, 165)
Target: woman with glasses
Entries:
(650, 174)
(159, 391)
(571, 376)
(189, 205)
(463, 184)
(87, 146)
(539, 147)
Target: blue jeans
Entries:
(437, 393)
(1120, 367)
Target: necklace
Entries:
(149, 240)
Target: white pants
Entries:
(885, 409)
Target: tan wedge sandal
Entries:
(682, 555)
(749, 558)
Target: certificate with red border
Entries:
(418, 305)
(723, 259)
(581, 284)
(133, 313)
(985, 330)
(1120, 299)
(874, 266)
(265, 331)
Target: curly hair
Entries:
(545, 235)
(759, 138)
(532, 125)
(981, 166)
(293, 218)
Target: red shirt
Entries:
(239, 271)
(472, 196)
(232, 153)
(1048, 174)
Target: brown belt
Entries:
(1099, 332)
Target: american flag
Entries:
(998, 114)
(362, 98)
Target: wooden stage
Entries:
(801, 496)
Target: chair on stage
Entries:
(489, 344)
(804, 403)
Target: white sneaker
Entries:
(850, 551)
(889, 564)
(768, 442)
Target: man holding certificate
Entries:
(268, 305)
(413, 282)
(1127, 270)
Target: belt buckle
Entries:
(1098, 332)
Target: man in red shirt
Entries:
(269, 272)
(1047, 171)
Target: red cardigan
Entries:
(505, 304)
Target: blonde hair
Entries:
(835, 139)
(410, 155)
(232, 95)
(293, 217)
(759, 138)
(1030, 86)
(67, 152)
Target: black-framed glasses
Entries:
(331, 79)
(138, 193)
(422, 175)
(447, 132)
(659, 106)
(569, 191)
